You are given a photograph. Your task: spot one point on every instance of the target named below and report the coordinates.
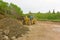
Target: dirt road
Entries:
(43, 30)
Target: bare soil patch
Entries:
(43, 30)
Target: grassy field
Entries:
(47, 16)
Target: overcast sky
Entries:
(37, 5)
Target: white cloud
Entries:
(37, 5)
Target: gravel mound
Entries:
(12, 28)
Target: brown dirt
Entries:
(43, 30)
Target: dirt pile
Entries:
(2, 16)
(12, 28)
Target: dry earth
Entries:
(43, 30)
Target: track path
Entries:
(43, 30)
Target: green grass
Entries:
(47, 16)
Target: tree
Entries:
(30, 12)
(38, 12)
(53, 11)
(58, 12)
(49, 11)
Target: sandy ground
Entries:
(43, 30)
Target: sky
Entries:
(37, 5)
